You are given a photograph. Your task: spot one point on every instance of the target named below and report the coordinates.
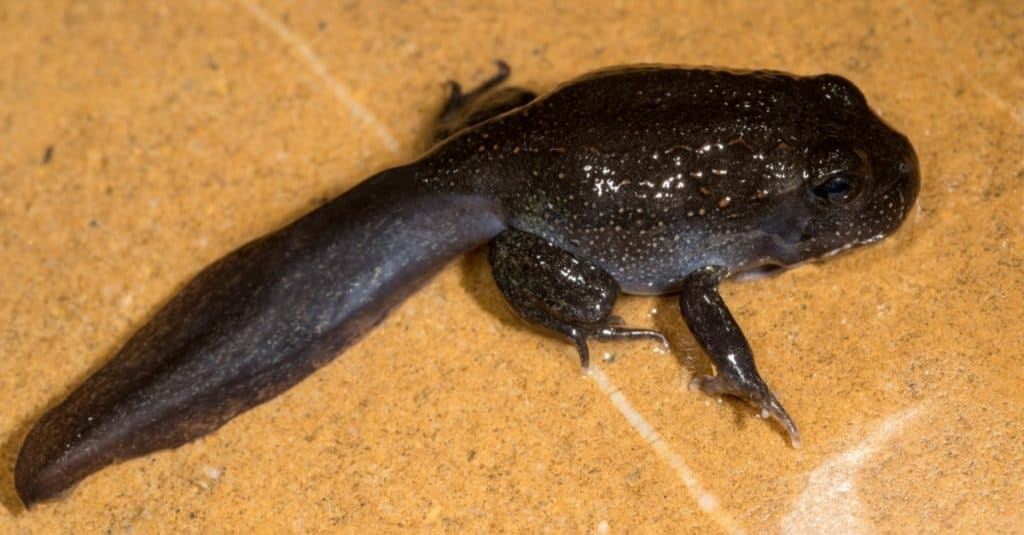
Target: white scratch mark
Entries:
(344, 95)
(829, 502)
(705, 500)
(999, 101)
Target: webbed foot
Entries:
(755, 393)
(611, 330)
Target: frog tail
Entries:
(253, 324)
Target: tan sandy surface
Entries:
(178, 133)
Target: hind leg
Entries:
(463, 110)
(550, 287)
(717, 331)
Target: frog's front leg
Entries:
(717, 331)
(549, 286)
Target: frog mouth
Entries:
(769, 267)
(850, 245)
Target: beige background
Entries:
(180, 133)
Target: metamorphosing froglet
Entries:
(646, 180)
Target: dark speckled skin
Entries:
(642, 179)
(652, 173)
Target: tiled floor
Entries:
(141, 143)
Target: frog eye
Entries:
(837, 189)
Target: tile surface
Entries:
(141, 142)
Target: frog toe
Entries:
(772, 408)
(606, 331)
(757, 395)
(614, 331)
(580, 340)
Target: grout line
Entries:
(360, 112)
(705, 500)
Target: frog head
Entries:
(853, 181)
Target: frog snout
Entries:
(909, 177)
